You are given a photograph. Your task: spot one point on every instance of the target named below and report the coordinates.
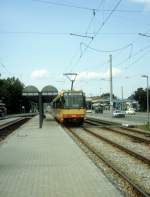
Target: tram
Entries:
(69, 107)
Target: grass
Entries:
(145, 127)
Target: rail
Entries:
(134, 154)
(138, 190)
(131, 134)
(7, 127)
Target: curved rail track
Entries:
(138, 189)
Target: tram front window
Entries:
(73, 101)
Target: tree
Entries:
(140, 95)
(107, 96)
(11, 94)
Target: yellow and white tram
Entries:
(69, 107)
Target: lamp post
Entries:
(122, 108)
(146, 76)
(111, 86)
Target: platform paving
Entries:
(47, 163)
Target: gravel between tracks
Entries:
(140, 148)
(133, 168)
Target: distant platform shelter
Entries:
(48, 93)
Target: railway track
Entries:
(135, 134)
(130, 152)
(139, 190)
(95, 121)
(9, 126)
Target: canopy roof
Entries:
(30, 89)
(49, 89)
(48, 93)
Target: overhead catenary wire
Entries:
(131, 51)
(134, 55)
(86, 31)
(84, 34)
(48, 33)
(34, 33)
(138, 52)
(94, 15)
(138, 59)
(108, 51)
(94, 12)
(65, 5)
(104, 21)
(141, 34)
(4, 66)
(88, 8)
(99, 29)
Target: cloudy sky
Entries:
(40, 40)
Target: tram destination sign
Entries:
(74, 93)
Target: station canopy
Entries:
(30, 91)
(48, 93)
(49, 90)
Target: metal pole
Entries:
(72, 84)
(122, 92)
(122, 97)
(111, 88)
(147, 102)
(40, 110)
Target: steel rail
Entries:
(138, 190)
(7, 128)
(94, 120)
(10, 123)
(104, 122)
(141, 139)
(100, 123)
(136, 131)
(130, 152)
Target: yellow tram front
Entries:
(70, 107)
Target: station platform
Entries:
(47, 163)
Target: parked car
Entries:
(130, 111)
(89, 111)
(118, 114)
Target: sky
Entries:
(41, 40)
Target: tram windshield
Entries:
(74, 100)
